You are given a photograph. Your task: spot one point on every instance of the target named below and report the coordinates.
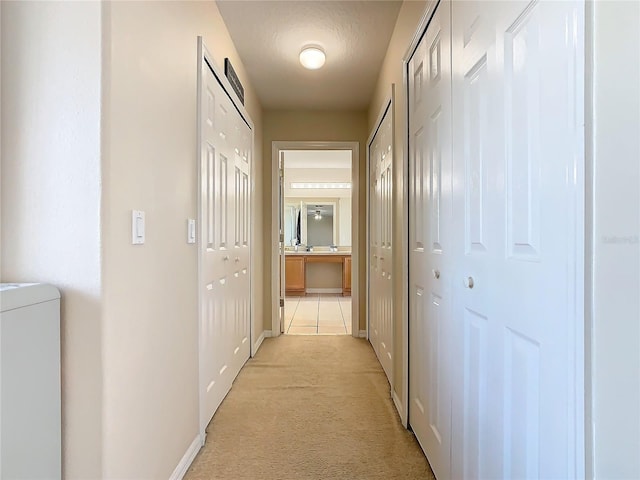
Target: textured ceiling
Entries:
(270, 34)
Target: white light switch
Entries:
(191, 230)
(137, 227)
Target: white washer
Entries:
(30, 403)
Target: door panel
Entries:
(493, 238)
(224, 248)
(380, 246)
(241, 252)
(516, 102)
(430, 173)
(476, 97)
(477, 420)
(475, 394)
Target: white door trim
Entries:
(276, 147)
(205, 58)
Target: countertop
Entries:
(318, 252)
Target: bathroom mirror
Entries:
(321, 228)
(321, 223)
(291, 229)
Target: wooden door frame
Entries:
(276, 148)
(206, 59)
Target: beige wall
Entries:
(327, 126)
(344, 222)
(51, 194)
(99, 118)
(391, 73)
(615, 227)
(150, 294)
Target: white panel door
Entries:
(240, 280)
(374, 244)
(430, 250)
(477, 213)
(380, 248)
(224, 276)
(517, 149)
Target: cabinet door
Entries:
(346, 276)
(294, 274)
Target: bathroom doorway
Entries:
(314, 240)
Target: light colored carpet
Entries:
(310, 407)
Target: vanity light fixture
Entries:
(318, 215)
(299, 185)
(312, 57)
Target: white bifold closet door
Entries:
(495, 326)
(430, 248)
(224, 243)
(380, 248)
(518, 96)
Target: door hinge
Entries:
(282, 238)
(282, 302)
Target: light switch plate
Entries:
(137, 227)
(191, 230)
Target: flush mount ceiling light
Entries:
(312, 57)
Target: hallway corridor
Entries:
(309, 407)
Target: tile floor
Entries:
(318, 314)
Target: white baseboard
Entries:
(398, 403)
(267, 334)
(259, 341)
(323, 290)
(362, 334)
(187, 459)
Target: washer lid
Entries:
(17, 295)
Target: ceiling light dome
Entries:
(312, 57)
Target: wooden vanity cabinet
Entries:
(295, 271)
(346, 277)
(294, 275)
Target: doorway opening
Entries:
(315, 238)
(316, 221)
